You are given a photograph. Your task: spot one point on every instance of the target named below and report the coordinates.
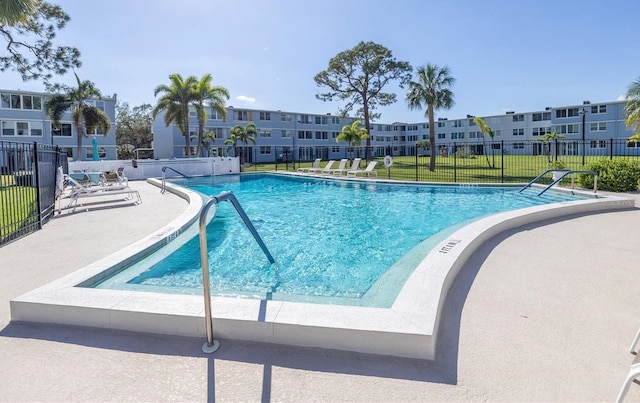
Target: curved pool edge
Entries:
(407, 329)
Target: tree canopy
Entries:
(353, 134)
(431, 89)
(133, 128)
(29, 28)
(632, 110)
(358, 76)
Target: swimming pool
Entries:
(334, 241)
(408, 328)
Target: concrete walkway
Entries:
(545, 313)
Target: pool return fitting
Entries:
(212, 345)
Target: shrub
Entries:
(618, 175)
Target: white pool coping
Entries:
(407, 329)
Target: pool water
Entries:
(330, 239)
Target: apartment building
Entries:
(314, 136)
(23, 119)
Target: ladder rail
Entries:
(212, 345)
(164, 168)
(558, 179)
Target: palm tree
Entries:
(13, 12)
(245, 135)
(546, 139)
(208, 137)
(233, 140)
(632, 109)
(352, 134)
(484, 129)
(175, 103)
(205, 96)
(431, 89)
(85, 117)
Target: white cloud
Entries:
(622, 97)
(245, 98)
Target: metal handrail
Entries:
(212, 345)
(164, 168)
(565, 172)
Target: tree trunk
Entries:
(432, 138)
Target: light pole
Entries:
(583, 112)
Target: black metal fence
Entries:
(488, 162)
(27, 187)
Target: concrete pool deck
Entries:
(501, 340)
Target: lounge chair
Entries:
(354, 167)
(634, 372)
(116, 177)
(79, 190)
(370, 169)
(317, 170)
(316, 165)
(341, 166)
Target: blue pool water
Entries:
(331, 240)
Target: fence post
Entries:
(36, 176)
(416, 152)
(455, 162)
(611, 148)
(502, 160)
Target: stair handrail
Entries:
(557, 179)
(164, 168)
(212, 345)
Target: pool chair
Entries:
(634, 371)
(329, 170)
(316, 165)
(354, 167)
(318, 170)
(80, 190)
(115, 177)
(370, 169)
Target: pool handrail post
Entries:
(212, 345)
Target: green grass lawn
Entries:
(18, 206)
(506, 169)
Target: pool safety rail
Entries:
(164, 168)
(212, 345)
(560, 174)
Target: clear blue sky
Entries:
(519, 55)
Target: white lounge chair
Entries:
(317, 170)
(370, 169)
(79, 190)
(354, 167)
(634, 371)
(341, 166)
(316, 165)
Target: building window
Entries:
(518, 118)
(540, 131)
(305, 119)
(321, 120)
(265, 115)
(265, 133)
(518, 146)
(265, 150)
(305, 135)
(598, 144)
(496, 133)
(455, 135)
(598, 127)
(632, 144)
(458, 123)
(441, 124)
(335, 120)
(322, 135)
(598, 109)
(64, 130)
(8, 128)
(413, 127)
(441, 136)
(567, 113)
(240, 115)
(518, 132)
(568, 129)
(285, 117)
(285, 134)
(539, 117)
